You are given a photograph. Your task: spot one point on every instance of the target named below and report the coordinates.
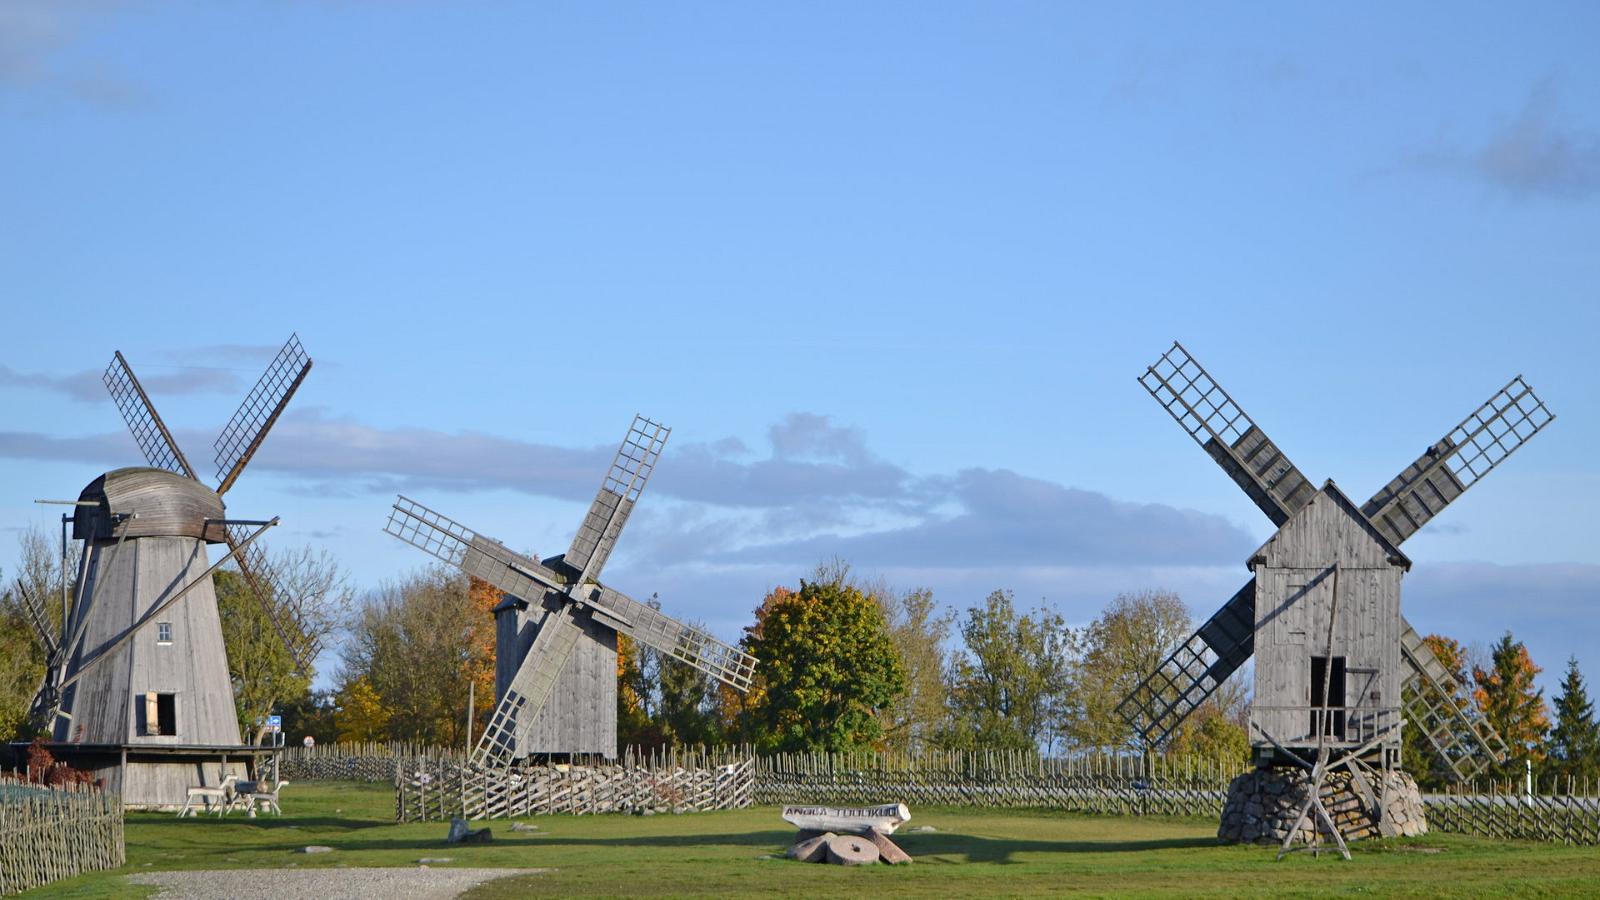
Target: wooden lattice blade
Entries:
(652, 627)
(1464, 455)
(256, 570)
(1463, 739)
(1193, 671)
(619, 490)
(149, 432)
(505, 739)
(1208, 415)
(244, 433)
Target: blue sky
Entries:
(888, 270)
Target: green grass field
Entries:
(973, 853)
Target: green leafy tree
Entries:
(41, 573)
(827, 670)
(308, 601)
(1575, 741)
(1129, 640)
(412, 651)
(1009, 684)
(1506, 694)
(919, 632)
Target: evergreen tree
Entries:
(1575, 741)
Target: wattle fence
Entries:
(51, 833)
(1097, 783)
(669, 781)
(431, 783)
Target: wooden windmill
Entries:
(1334, 668)
(138, 685)
(556, 646)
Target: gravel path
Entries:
(323, 884)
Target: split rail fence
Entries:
(1099, 783)
(432, 783)
(669, 781)
(51, 833)
(1505, 811)
(355, 761)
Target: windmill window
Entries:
(163, 632)
(156, 714)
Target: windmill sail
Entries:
(39, 619)
(276, 605)
(685, 643)
(620, 488)
(260, 409)
(1208, 415)
(1194, 671)
(1460, 735)
(521, 576)
(1468, 452)
(151, 434)
(502, 741)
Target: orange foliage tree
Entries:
(1506, 694)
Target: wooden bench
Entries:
(220, 796)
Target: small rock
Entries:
(461, 834)
(435, 860)
(523, 826)
(923, 829)
(316, 848)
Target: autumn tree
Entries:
(1575, 740)
(919, 633)
(1513, 706)
(417, 644)
(826, 670)
(1009, 682)
(1129, 640)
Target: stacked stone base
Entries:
(1263, 805)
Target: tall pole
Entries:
(472, 687)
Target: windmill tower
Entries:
(556, 639)
(138, 687)
(1338, 667)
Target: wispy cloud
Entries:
(1535, 153)
(86, 386)
(36, 40)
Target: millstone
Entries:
(811, 849)
(888, 850)
(852, 850)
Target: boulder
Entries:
(461, 834)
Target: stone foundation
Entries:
(1262, 806)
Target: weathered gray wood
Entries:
(56, 833)
(1327, 545)
(855, 820)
